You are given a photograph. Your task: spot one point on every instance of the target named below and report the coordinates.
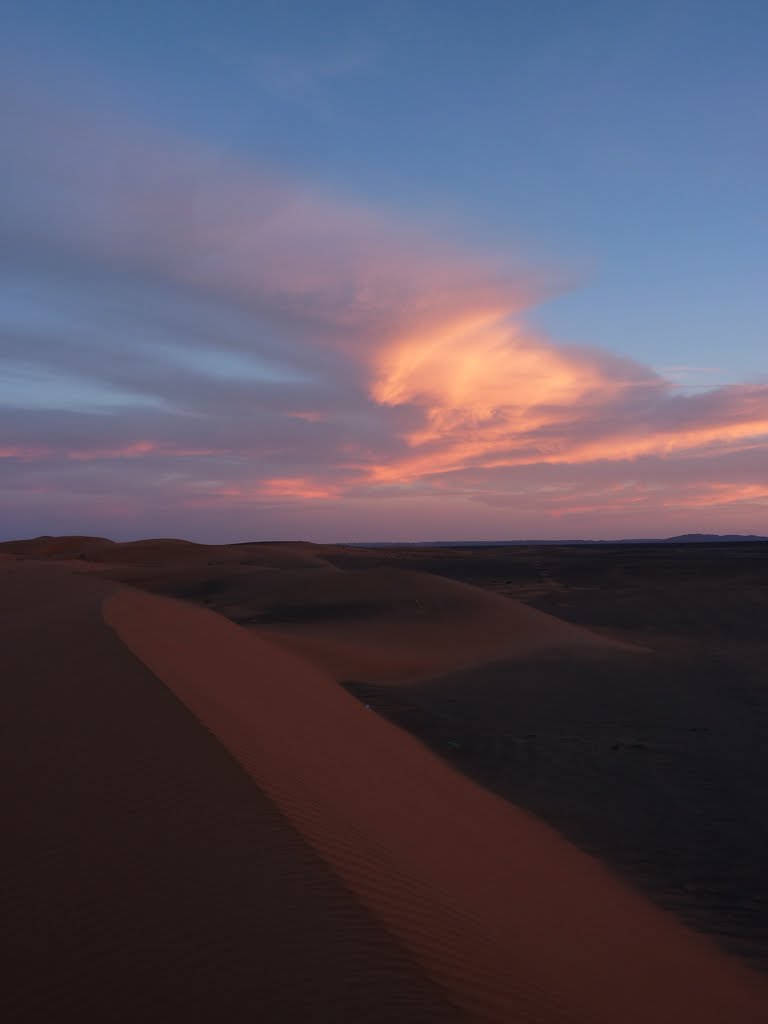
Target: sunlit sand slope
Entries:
(143, 875)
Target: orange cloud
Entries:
(493, 395)
(697, 439)
(309, 416)
(129, 451)
(468, 369)
(719, 494)
(709, 496)
(299, 488)
(137, 450)
(134, 450)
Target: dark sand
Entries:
(657, 764)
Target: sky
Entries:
(353, 270)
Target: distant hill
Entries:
(684, 538)
(706, 538)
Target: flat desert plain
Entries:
(293, 782)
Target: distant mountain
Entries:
(706, 538)
(684, 538)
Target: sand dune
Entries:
(342, 872)
(378, 625)
(55, 547)
(394, 625)
(507, 918)
(374, 625)
(166, 552)
(143, 876)
(162, 552)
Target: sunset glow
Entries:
(227, 332)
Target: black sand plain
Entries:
(658, 764)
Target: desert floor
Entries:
(300, 782)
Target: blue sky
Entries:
(602, 164)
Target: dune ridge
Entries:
(143, 876)
(162, 552)
(509, 919)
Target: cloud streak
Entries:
(260, 348)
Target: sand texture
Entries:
(145, 876)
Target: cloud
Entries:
(199, 337)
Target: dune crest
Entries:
(509, 919)
(55, 547)
(166, 552)
(144, 877)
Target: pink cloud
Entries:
(129, 451)
(404, 372)
(138, 450)
(134, 450)
(24, 453)
(297, 488)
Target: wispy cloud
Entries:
(197, 334)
